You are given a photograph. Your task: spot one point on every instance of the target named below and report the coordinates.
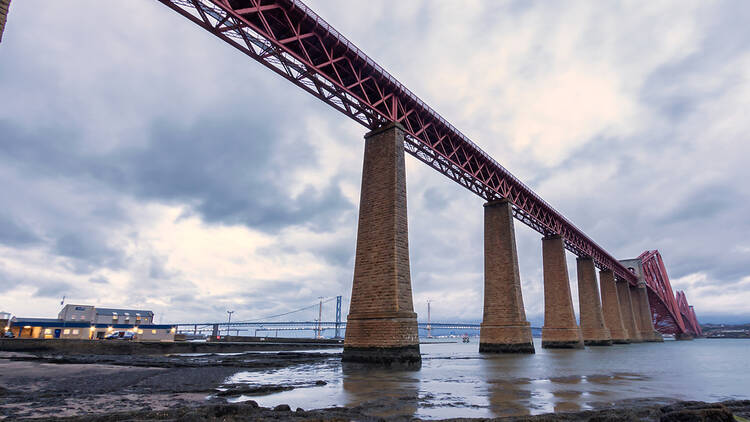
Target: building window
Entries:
(153, 331)
(75, 332)
(140, 331)
(47, 331)
(66, 331)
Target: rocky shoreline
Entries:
(191, 387)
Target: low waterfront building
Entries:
(47, 328)
(85, 322)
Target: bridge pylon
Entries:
(560, 330)
(626, 310)
(611, 308)
(382, 325)
(646, 322)
(593, 328)
(504, 327)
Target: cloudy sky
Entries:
(145, 163)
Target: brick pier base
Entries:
(504, 327)
(648, 333)
(626, 310)
(611, 308)
(593, 328)
(560, 329)
(382, 326)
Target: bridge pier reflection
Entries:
(560, 329)
(593, 328)
(382, 325)
(504, 327)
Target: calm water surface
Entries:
(455, 380)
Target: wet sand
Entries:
(45, 386)
(141, 388)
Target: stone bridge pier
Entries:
(611, 307)
(626, 310)
(593, 327)
(381, 325)
(645, 321)
(504, 328)
(560, 329)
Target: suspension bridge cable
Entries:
(290, 312)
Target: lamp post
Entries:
(429, 325)
(229, 321)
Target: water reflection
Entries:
(382, 391)
(456, 381)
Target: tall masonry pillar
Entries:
(4, 8)
(648, 333)
(593, 328)
(611, 307)
(504, 327)
(560, 329)
(381, 325)
(626, 310)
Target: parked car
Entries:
(120, 335)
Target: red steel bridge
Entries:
(290, 39)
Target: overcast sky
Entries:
(144, 163)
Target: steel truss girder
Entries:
(688, 315)
(289, 38)
(671, 313)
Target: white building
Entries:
(89, 322)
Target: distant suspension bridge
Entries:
(318, 326)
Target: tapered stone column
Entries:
(4, 7)
(648, 333)
(381, 325)
(560, 329)
(626, 310)
(593, 329)
(611, 308)
(504, 327)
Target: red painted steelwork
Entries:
(671, 313)
(290, 39)
(688, 314)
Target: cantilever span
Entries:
(289, 38)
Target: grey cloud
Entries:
(88, 252)
(15, 233)
(157, 268)
(53, 288)
(231, 163)
(231, 170)
(436, 199)
(100, 279)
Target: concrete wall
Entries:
(155, 334)
(115, 347)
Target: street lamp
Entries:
(229, 321)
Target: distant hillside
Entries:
(726, 330)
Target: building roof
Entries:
(118, 311)
(47, 322)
